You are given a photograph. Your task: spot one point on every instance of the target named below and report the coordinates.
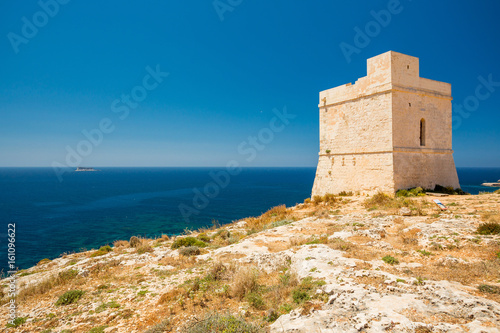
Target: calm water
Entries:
(90, 209)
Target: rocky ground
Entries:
(347, 265)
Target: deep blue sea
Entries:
(90, 209)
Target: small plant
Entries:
(161, 327)
(424, 253)
(346, 194)
(102, 251)
(498, 255)
(144, 248)
(489, 228)
(418, 281)
(17, 322)
(135, 242)
(285, 308)
(255, 300)
(307, 201)
(485, 288)
(390, 260)
(43, 261)
(99, 329)
(204, 237)
(68, 274)
(142, 292)
(300, 296)
(190, 251)
(187, 241)
(70, 297)
(400, 280)
(328, 151)
(221, 323)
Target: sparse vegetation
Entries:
(190, 251)
(135, 242)
(17, 322)
(70, 297)
(489, 289)
(144, 248)
(98, 329)
(187, 241)
(217, 323)
(390, 260)
(489, 228)
(413, 192)
(102, 251)
(43, 261)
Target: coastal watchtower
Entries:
(389, 130)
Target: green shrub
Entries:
(497, 191)
(489, 228)
(285, 308)
(307, 201)
(485, 288)
(448, 190)
(346, 194)
(190, 251)
(102, 251)
(255, 300)
(99, 329)
(17, 322)
(70, 297)
(300, 296)
(68, 274)
(498, 255)
(187, 241)
(413, 192)
(203, 237)
(390, 260)
(424, 252)
(217, 323)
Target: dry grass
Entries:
(245, 281)
(64, 278)
(274, 214)
(392, 204)
(121, 244)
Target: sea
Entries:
(87, 210)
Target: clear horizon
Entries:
(172, 84)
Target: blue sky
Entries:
(226, 76)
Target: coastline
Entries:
(324, 243)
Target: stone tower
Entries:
(389, 130)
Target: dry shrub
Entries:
(339, 244)
(272, 215)
(120, 243)
(218, 271)
(172, 295)
(135, 241)
(386, 202)
(410, 236)
(144, 248)
(244, 282)
(61, 279)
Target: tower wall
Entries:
(370, 132)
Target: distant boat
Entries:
(497, 184)
(86, 169)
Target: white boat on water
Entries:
(85, 169)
